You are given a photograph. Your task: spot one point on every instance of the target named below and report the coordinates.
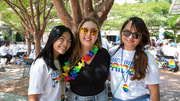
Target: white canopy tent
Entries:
(175, 9)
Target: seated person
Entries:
(160, 52)
(24, 46)
(15, 49)
(32, 54)
(5, 54)
(172, 54)
(176, 56)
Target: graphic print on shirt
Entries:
(55, 78)
(116, 66)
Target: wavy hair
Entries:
(140, 57)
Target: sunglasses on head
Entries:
(92, 31)
(127, 33)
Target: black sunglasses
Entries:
(127, 33)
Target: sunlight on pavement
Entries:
(12, 97)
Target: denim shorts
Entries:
(141, 98)
(103, 96)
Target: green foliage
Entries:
(7, 37)
(169, 35)
(150, 1)
(178, 38)
(9, 17)
(19, 38)
(156, 34)
(153, 13)
(172, 20)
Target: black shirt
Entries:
(91, 78)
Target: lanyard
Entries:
(122, 77)
(123, 74)
(60, 81)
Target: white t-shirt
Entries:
(15, 49)
(104, 43)
(135, 88)
(32, 54)
(171, 51)
(24, 47)
(43, 81)
(3, 50)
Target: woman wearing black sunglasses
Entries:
(134, 72)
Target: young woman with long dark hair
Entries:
(46, 81)
(134, 73)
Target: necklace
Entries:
(76, 69)
(125, 86)
(60, 79)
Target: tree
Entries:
(16, 24)
(149, 1)
(169, 35)
(154, 14)
(80, 9)
(34, 16)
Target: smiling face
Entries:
(130, 43)
(88, 38)
(61, 45)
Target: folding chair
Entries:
(159, 59)
(166, 61)
(26, 64)
(19, 54)
(19, 57)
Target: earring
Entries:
(143, 49)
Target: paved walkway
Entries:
(169, 85)
(12, 97)
(4, 96)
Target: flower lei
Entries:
(73, 74)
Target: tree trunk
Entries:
(175, 34)
(28, 41)
(33, 17)
(82, 9)
(37, 44)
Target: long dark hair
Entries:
(140, 57)
(47, 52)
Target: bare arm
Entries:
(107, 48)
(34, 97)
(108, 77)
(154, 92)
